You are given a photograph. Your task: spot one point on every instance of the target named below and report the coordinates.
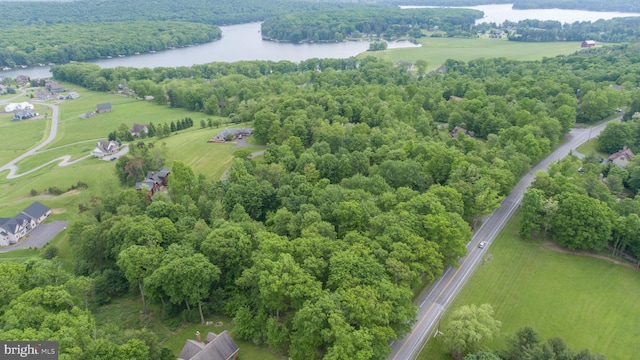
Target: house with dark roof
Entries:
(15, 228)
(103, 108)
(22, 79)
(234, 133)
(104, 148)
(138, 128)
(154, 182)
(37, 211)
(24, 114)
(622, 157)
(588, 44)
(73, 95)
(216, 347)
(43, 95)
(54, 87)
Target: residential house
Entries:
(622, 157)
(231, 134)
(588, 44)
(154, 182)
(22, 79)
(43, 95)
(37, 211)
(103, 108)
(24, 114)
(137, 129)
(15, 228)
(53, 86)
(73, 95)
(105, 148)
(215, 347)
(458, 129)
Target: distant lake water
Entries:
(239, 42)
(499, 13)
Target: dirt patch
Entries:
(555, 247)
(58, 211)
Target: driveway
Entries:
(38, 237)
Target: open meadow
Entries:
(588, 302)
(17, 137)
(435, 51)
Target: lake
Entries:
(244, 42)
(499, 13)
(239, 42)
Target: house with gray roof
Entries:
(233, 133)
(216, 347)
(73, 95)
(103, 108)
(622, 157)
(104, 148)
(15, 228)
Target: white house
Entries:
(11, 107)
(105, 148)
(15, 228)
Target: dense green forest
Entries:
(387, 23)
(615, 30)
(316, 248)
(218, 12)
(29, 45)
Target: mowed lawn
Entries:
(588, 302)
(192, 148)
(16, 137)
(438, 50)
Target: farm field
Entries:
(438, 50)
(588, 302)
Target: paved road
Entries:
(434, 302)
(38, 237)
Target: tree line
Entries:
(591, 5)
(374, 22)
(30, 45)
(615, 30)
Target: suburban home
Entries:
(73, 95)
(458, 129)
(105, 148)
(137, 129)
(154, 182)
(231, 134)
(103, 108)
(588, 43)
(11, 107)
(22, 79)
(54, 87)
(24, 114)
(215, 347)
(15, 228)
(622, 157)
(43, 95)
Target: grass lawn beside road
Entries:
(591, 147)
(16, 137)
(437, 50)
(589, 303)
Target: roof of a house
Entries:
(139, 127)
(626, 152)
(234, 131)
(148, 183)
(36, 210)
(590, 41)
(104, 106)
(218, 347)
(107, 146)
(73, 95)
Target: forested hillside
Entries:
(316, 248)
(29, 45)
(387, 23)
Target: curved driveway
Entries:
(434, 302)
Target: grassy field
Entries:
(18, 136)
(591, 147)
(437, 50)
(588, 302)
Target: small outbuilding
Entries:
(103, 108)
(588, 44)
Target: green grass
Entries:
(18, 136)
(42, 157)
(591, 148)
(588, 302)
(437, 50)
(192, 148)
